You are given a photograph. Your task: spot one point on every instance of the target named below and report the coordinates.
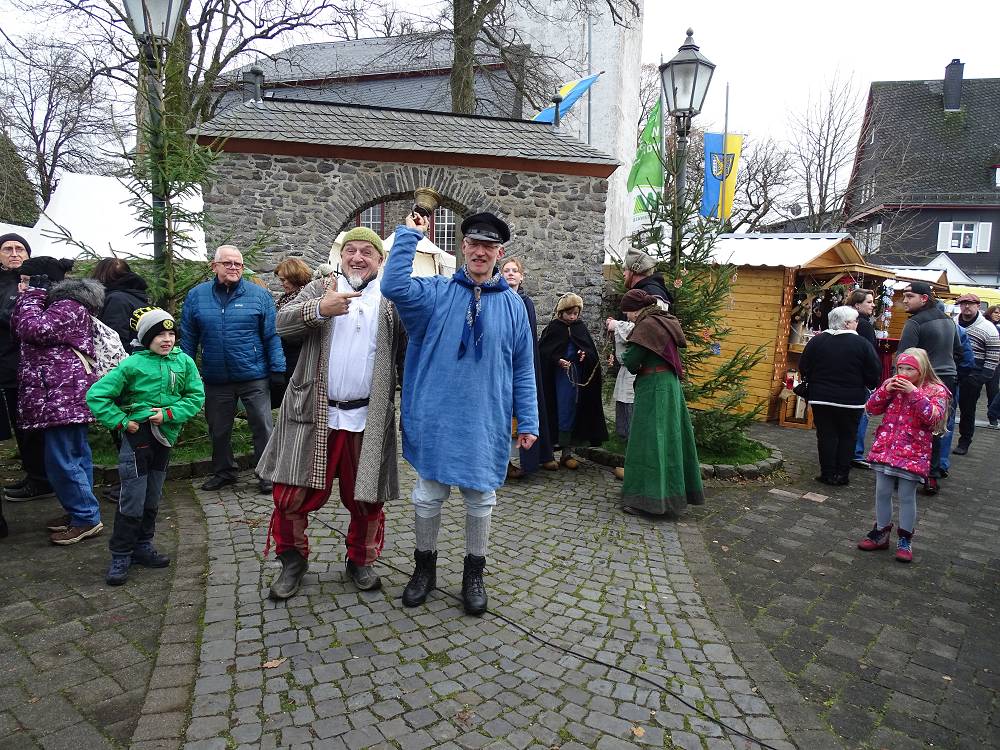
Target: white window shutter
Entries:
(983, 237)
(944, 236)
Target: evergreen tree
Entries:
(17, 195)
(715, 385)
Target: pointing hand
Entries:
(335, 303)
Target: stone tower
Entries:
(565, 36)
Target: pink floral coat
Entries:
(903, 440)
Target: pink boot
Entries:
(876, 539)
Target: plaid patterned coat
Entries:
(296, 454)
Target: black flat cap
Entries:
(486, 227)
(920, 287)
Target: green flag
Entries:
(647, 172)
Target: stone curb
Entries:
(762, 468)
(164, 715)
(200, 468)
(796, 715)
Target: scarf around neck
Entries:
(473, 331)
(661, 333)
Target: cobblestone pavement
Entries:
(75, 654)
(890, 655)
(335, 668)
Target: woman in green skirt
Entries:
(662, 471)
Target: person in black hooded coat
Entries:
(124, 293)
(571, 375)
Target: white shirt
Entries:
(352, 355)
(625, 381)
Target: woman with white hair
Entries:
(841, 369)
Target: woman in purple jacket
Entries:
(54, 327)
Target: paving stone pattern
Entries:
(890, 655)
(75, 654)
(335, 668)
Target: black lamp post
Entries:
(154, 23)
(685, 80)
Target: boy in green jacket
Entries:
(149, 396)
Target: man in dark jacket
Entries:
(986, 349)
(14, 250)
(933, 331)
(638, 270)
(234, 323)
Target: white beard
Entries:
(355, 280)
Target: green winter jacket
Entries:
(144, 380)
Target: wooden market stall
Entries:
(785, 285)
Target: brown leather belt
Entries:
(651, 370)
(348, 405)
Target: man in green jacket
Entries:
(149, 396)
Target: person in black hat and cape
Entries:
(469, 370)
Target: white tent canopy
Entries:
(96, 211)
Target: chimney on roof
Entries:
(953, 85)
(253, 85)
(556, 100)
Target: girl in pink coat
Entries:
(915, 404)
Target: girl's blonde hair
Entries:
(927, 375)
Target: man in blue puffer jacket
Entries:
(241, 355)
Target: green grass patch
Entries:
(747, 451)
(192, 444)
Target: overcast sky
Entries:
(774, 54)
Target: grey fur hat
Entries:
(638, 262)
(87, 292)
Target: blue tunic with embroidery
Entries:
(457, 412)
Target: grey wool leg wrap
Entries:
(477, 534)
(426, 530)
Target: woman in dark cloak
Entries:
(571, 379)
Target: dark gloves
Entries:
(277, 379)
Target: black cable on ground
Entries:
(592, 659)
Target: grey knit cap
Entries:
(155, 320)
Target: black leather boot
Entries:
(473, 588)
(424, 578)
(293, 568)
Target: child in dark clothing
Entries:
(149, 396)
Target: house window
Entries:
(868, 189)
(371, 218)
(964, 236)
(996, 176)
(444, 229)
(870, 239)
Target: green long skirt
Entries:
(662, 470)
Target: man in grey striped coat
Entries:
(342, 390)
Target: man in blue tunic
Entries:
(468, 362)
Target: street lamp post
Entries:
(684, 79)
(154, 23)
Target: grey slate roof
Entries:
(355, 126)
(952, 151)
(357, 57)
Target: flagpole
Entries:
(663, 144)
(590, 67)
(725, 136)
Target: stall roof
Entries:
(933, 276)
(794, 249)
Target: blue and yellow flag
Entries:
(647, 170)
(570, 92)
(721, 167)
